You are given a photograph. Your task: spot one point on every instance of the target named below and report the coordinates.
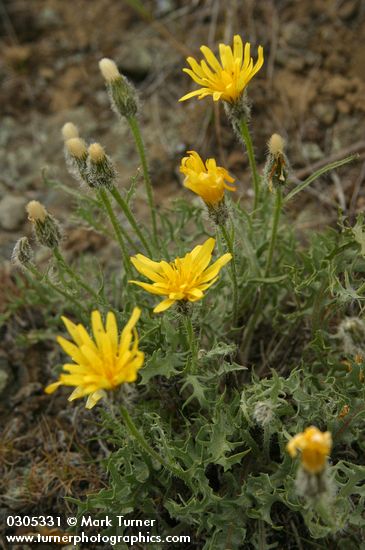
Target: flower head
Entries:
(69, 131)
(103, 362)
(206, 180)
(276, 167)
(46, 228)
(122, 94)
(225, 80)
(184, 279)
(314, 445)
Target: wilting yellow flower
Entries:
(184, 279)
(228, 79)
(206, 180)
(314, 445)
(102, 363)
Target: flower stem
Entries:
(134, 432)
(134, 126)
(229, 241)
(62, 263)
(118, 230)
(245, 133)
(130, 217)
(267, 443)
(251, 326)
(274, 231)
(39, 276)
(192, 341)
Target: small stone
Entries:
(295, 35)
(312, 151)
(343, 107)
(325, 112)
(12, 213)
(336, 86)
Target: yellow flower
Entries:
(184, 279)
(228, 79)
(206, 180)
(102, 363)
(314, 445)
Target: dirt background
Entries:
(311, 90)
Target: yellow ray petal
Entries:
(162, 306)
(211, 58)
(94, 398)
(72, 330)
(112, 330)
(52, 387)
(97, 326)
(153, 289)
(214, 269)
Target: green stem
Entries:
(251, 326)
(117, 229)
(62, 262)
(229, 241)
(192, 341)
(251, 158)
(274, 231)
(39, 276)
(267, 443)
(134, 126)
(130, 217)
(134, 432)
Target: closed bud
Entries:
(69, 131)
(76, 157)
(263, 413)
(100, 170)
(36, 211)
(109, 69)
(76, 147)
(277, 165)
(123, 96)
(351, 333)
(276, 145)
(46, 228)
(22, 255)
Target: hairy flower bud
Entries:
(22, 255)
(46, 228)
(351, 332)
(123, 96)
(100, 170)
(36, 211)
(76, 157)
(77, 148)
(276, 167)
(263, 413)
(69, 131)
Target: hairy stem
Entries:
(229, 239)
(251, 326)
(134, 126)
(117, 229)
(245, 133)
(134, 432)
(130, 217)
(64, 265)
